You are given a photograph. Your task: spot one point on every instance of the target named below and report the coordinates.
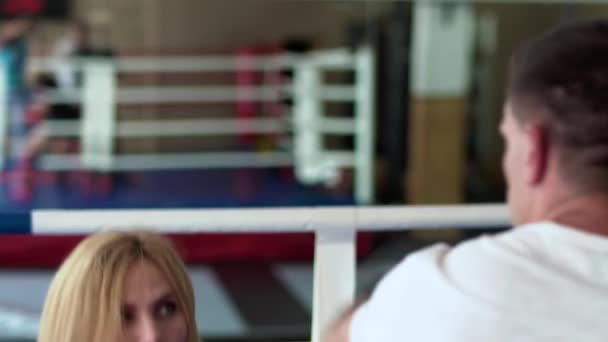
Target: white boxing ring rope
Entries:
(334, 227)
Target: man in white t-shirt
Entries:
(546, 280)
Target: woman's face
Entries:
(150, 309)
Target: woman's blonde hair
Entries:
(84, 300)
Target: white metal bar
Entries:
(334, 277)
(174, 161)
(304, 219)
(365, 126)
(180, 94)
(98, 114)
(307, 116)
(177, 127)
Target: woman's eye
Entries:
(167, 309)
(128, 316)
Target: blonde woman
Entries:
(120, 287)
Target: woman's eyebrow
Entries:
(169, 295)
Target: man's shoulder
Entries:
(522, 241)
(440, 253)
(490, 256)
(489, 261)
(421, 294)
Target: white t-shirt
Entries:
(540, 282)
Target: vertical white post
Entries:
(99, 113)
(364, 125)
(4, 116)
(307, 113)
(334, 278)
(442, 48)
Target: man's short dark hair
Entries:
(560, 80)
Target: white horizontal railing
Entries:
(335, 229)
(283, 220)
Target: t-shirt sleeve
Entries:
(396, 309)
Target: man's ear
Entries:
(537, 153)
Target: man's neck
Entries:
(584, 212)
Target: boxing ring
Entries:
(334, 229)
(305, 124)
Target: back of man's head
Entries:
(560, 81)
